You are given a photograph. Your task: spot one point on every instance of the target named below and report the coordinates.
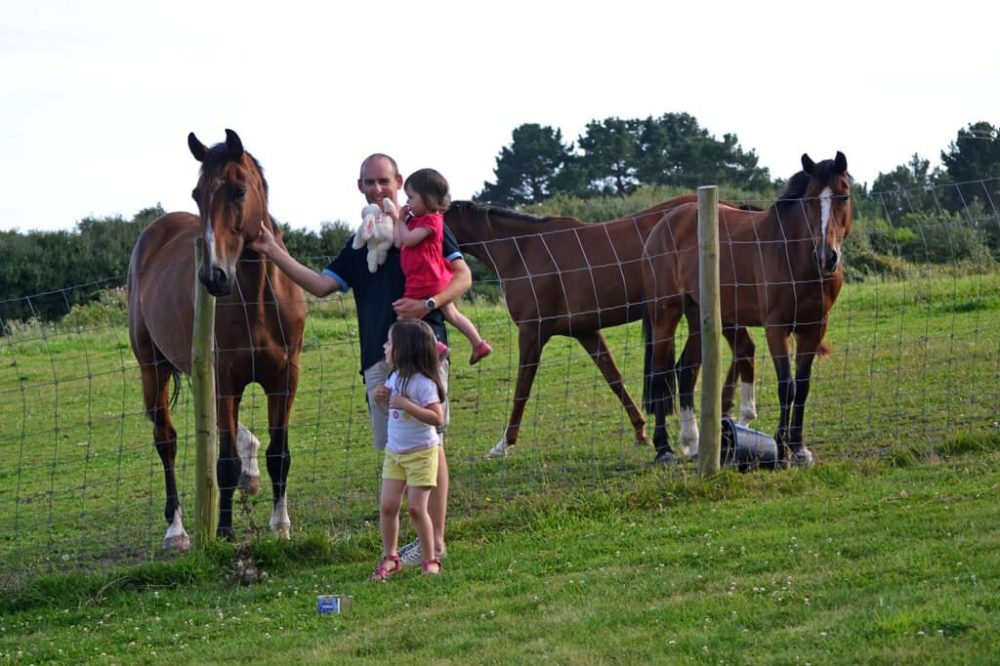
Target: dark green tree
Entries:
(676, 151)
(526, 169)
(317, 250)
(611, 155)
(906, 189)
(972, 165)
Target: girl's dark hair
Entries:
(432, 188)
(414, 351)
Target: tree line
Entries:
(616, 166)
(36, 268)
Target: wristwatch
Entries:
(431, 304)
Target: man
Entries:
(379, 304)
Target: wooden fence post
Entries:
(206, 494)
(710, 426)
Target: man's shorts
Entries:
(419, 469)
(375, 376)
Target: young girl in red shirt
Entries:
(418, 231)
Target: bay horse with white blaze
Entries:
(561, 276)
(781, 268)
(259, 325)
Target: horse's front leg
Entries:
(227, 467)
(778, 344)
(597, 348)
(279, 457)
(687, 378)
(808, 343)
(743, 360)
(530, 343)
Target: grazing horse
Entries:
(561, 276)
(259, 325)
(781, 268)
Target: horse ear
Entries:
(807, 164)
(197, 148)
(234, 147)
(840, 163)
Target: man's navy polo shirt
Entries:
(374, 294)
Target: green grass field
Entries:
(575, 550)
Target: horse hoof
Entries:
(802, 458)
(178, 543)
(283, 531)
(501, 450)
(642, 441)
(665, 458)
(692, 453)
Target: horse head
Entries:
(469, 221)
(232, 203)
(829, 190)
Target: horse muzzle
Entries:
(216, 280)
(827, 261)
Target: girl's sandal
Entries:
(481, 350)
(431, 567)
(387, 566)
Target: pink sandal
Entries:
(425, 567)
(481, 350)
(387, 566)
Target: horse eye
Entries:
(239, 193)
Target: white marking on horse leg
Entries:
(803, 458)
(247, 447)
(501, 449)
(280, 522)
(748, 403)
(176, 537)
(689, 432)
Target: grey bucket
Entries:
(745, 448)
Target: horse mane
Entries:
(797, 185)
(275, 227)
(491, 209)
(795, 188)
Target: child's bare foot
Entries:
(481, 350)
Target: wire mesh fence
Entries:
(915, 362)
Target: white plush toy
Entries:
(375, 232)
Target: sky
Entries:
(97, 97)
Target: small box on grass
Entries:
(331, 604)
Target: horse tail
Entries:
(177, 387)
(657, 385)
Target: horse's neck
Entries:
(507, 241)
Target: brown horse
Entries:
(259, 324)
(781, 269)
(561, 276)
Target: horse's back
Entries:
(161, 290)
